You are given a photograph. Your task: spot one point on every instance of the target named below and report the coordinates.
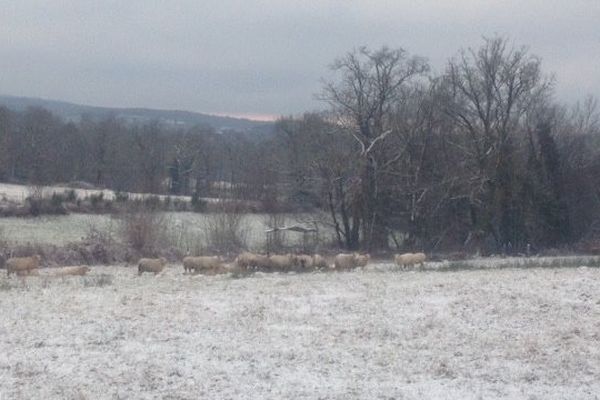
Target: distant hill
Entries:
(174, 118)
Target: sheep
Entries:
(28, 272)
(319, 262)
(402, 260)
(155, 265)
(344, 261)
(263, 262)
(347, 261)
(22, 264)
(419, 258)
(73, 271)
(409, 259)
(283, 262)
(305, 262)
(248, 260)
(362, 260)
(232, 268)
(244, 260)
(206, 264)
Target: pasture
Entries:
(182, 229)
(377, 333)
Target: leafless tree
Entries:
(371, 87)
(490, 90)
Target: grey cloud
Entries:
(235, 56)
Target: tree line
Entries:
(36, 147)
(479, 157)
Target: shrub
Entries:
(100, 280)
(143, 229)
(152, 202)
(121, 197)
(70, 195)
(225, 232)
(96, 199)
(198, 204)
(38, 205)
(57, 200)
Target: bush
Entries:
(98, 280)
(152, 202)
(143, 229)
(70, 196)
(198, 204)
(38, 205)
(96, 199)
(225, 232)
(121, 197)
(180, 205)
(57, 200)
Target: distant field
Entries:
(182, 227)
(494, 334)
(18, 193)
(57, 230)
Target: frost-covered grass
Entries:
(55, 230)
(469, 334)
(18, 193)
(185, 229)
(500, 263)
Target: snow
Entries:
(18, 193)
(185, 229)
(372, 334)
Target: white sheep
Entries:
(204, 264)
(348, 261)
(247, 260)
(362, 260)
(285, 262)
(409, 259)
(155, 265)
(344, 261)
(22, 265)
(305, 262)
(319, 262)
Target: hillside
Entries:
(175, 118)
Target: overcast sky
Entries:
(250, 57)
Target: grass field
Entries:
(183, 228)
(528, 333)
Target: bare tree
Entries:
(490, 91)
(371, 86)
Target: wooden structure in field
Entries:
(309, 237)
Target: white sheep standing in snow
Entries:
(22, 265)
(204, 264)
(352, 260)
(247, 260)
(410, 259)
(155, 265)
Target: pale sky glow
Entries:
(265, 58)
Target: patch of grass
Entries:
(5, 286)
(100, 280)
(525, 263)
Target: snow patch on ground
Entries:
(507, 333)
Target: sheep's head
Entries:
(163, 260)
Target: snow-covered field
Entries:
(485, 334)
(182, 227)
(18, 193)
